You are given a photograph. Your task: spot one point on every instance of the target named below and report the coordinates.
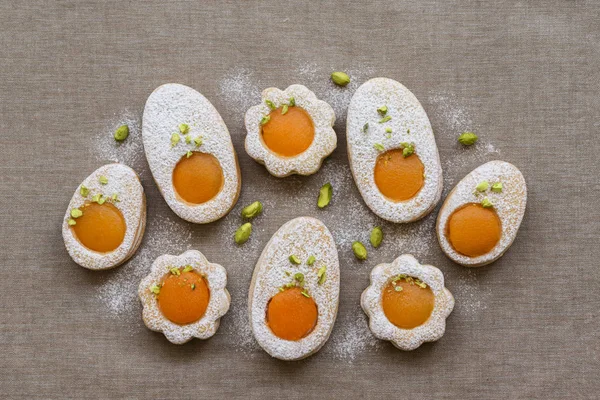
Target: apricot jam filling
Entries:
(101, 227)
(288, 134)
(473, 230)
(292, 315)
(407, 302)
(183, 296)
(198, 178)
(397, 177)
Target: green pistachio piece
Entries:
(388, 129)
(284, 109)
(101, 200)
(385, 119)
(299, 276)
(115, 197)
(321, 274)
(340, 78)
(382, 110)
(188, 268)
(420, 284)
(408, 131)
(486, 203)
(252, 210)
(84, 191)
(359, 250)
(188, 154)
(325, 195)
(292, 102)
(497, 187)
(76, 213)
(184, 128)
(311, 260)
(271, 105)
(379, 147)
(467, 138)
(305, 293)
(198, 141)
(103, 179)
(193, 286)
(376, 237)
(121, 133)
(294, 259)
(96, 198)
(71, 222)
(243, 233)
(175, 139)
(155, 289)
(188, 139)
(407, 149)
(175, 271)
(398, 288)
(366, 127)
(265, 119)
(482, 186)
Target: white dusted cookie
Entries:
(291, 131)
(190, 154)
(480, 217)
(392, 151)
(184, 296)
(407, 303)
(294, 292)
(106, 218)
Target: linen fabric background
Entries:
(524, 75)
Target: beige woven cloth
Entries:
(523, 75)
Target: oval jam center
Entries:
(397, 177)
(101, 228)
(183, 298)
(409, 307)
(289, 134)
(291, 315)
(473, 230)
(198, 178)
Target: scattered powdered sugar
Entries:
(470, 296)
(351, 336)
(239, 90)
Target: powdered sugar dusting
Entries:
(129, 152)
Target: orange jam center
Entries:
(474, 230)
(198, 178)
(291, 315)
(409, 307)
(183, 298)
(101, 227)
(289, 134)
(399, 178)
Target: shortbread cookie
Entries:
(480, 217)
(184, 296)
(291, 131)
(106, 218)
(294, 292)
(190, 154)
(392, 151)
(407, 303)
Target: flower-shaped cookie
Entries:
(407, 303)
(291, 131)
(184, 296)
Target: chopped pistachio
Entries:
(408, 131)
(101, 200)
(421, 284)
(467, 138)
(287, 273)
(121, 133)
(184, 128)
(482, 186)
(103, 179)
(188, 268)
(382, 110)
(376, 237)
(305, 293)
(366, 127)
(188, 139)
(243, 233)
(76, 213)
(175, 271)
(340, 78)
(284, 109)
(155, 289)
(294, 259)
(299, 276)
(292, 102)
(198, 141)
(271, 105)
(359, 250)
(252, 210)
(96, 198)
(325, 194)
(385, 119)
(388, 129)
(188, 154)
(486, 203)
(71, 222)
(265, 119)
(497, 187)
(321, 274)
(193, 286)
(175, 139)
(407, 149)
(379, 147)
(398, 288)
(311, 260)
(84, 191)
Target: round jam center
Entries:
(289, 134)
(291, 315)
(399, 178)
(198, 178)
(408, 307)
(101, 228)
(183, 298)
(474, 230)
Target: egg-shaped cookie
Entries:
(106, 218)
(480, 217)
(190, 154)
(392, 151)
(294, 292)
